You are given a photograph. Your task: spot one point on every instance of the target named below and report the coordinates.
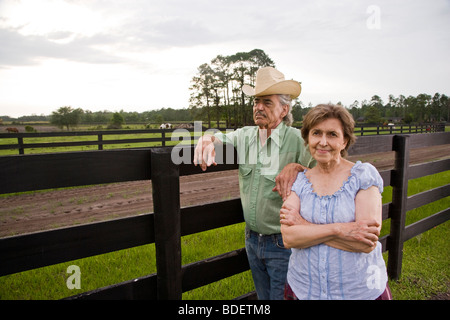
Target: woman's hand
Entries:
(359, 236)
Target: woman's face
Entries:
(326, 140)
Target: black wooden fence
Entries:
(160, 137)
(168, 223)
(367, 129)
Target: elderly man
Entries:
(263, 151)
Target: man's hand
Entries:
(205, 153)
(286, 178)
(290, 215)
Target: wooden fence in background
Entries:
(160, 137)
(168, 222)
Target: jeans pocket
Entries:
(278, 240)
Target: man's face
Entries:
(268, 111)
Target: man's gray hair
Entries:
(286, 99)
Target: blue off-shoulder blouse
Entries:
(322, 272)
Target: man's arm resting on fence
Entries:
(204, 152)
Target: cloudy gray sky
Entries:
(138, 55)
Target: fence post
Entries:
(20, 143)
(398, 205)
(166, 208)
(100, 141)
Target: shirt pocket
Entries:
(245, 174)
(269, 184)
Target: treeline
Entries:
(152, 116)
(401, 109)
(421, 108)
(216, 95)
(105, 116)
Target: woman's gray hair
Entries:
(286, 99)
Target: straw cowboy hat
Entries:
(271, 81)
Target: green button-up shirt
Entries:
(258, 168)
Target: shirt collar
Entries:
(276, 136)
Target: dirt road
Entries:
(53, 209)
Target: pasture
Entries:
(49, 139)
(421, 278)
(88, 141)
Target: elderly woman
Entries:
(334, 239)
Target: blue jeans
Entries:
(269, 260)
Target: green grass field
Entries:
(93, 137)
(426, 269)
(175, 140)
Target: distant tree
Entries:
(116, 121)
(355, 110)
(297, 110)
(101, 116)
(202, 85)
(407, 118)
(216, 88)
(87, 117)
(378, 104)
(372, 115)
(33, 118)
(66, 117)
(158, 118)
(422, 107)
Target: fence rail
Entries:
(162, 136)
(400, 128)
(168, 222)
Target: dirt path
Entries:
(53, 209)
